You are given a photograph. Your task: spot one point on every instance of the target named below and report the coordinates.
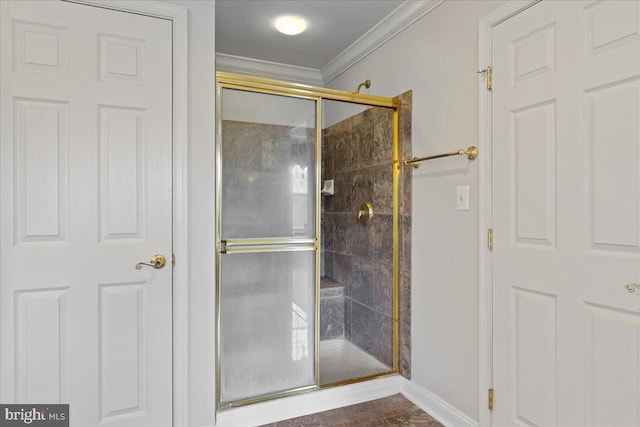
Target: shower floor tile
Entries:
(396, 411)
(342, 360)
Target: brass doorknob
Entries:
(158, 261)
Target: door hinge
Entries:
(173, 260)
(491, 399)
(489, 73)
(490, 239)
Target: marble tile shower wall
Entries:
(358, 154)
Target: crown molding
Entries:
(275, 70)
(397, 21)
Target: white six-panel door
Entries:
(566, 211)
(86, 195)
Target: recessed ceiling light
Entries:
(291, 25)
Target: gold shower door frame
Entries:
(275, 87)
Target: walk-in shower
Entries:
(312, 223)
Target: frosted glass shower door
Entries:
(267, 249)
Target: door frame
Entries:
(178, 17)
(485, 197)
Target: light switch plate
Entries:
(462, 198)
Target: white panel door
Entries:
(566, 215)
(86, 182)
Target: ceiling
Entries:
(245, 28)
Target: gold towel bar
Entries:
(471, 153)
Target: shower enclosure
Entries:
(309, 233)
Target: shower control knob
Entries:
(365, 214)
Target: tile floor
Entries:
(394, 410)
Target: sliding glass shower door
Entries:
(267, 245)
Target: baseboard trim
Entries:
(435, 406)
(309, 403)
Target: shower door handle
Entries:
(246, 246)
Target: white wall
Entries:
(253, 107)
(270, 109)
(437, 58)
(336, 111)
